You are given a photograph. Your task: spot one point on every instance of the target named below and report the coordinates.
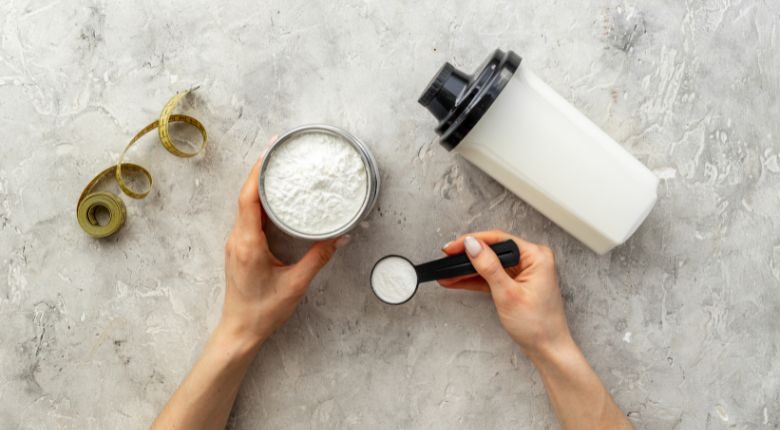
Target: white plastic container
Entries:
(510, 124)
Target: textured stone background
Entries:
(681, 322)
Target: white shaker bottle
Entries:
(514, 127)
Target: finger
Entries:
(456, 247)
(472, 284)
(250, 212)
(512, 271)
(456, 279)
(487, 263)
(316, 258)
(489, 237)
(528, 250)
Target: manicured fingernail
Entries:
(343, 241)
(446, 245)
(473, 246)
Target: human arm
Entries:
(530, 307)
(261, 293)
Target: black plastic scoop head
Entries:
(394, 279)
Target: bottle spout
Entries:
(458, 100)
(442, 93)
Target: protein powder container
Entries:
(517, 129)
(318, 182)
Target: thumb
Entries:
(317, 257)
(487, 264)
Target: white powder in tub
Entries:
(315, 183)
(394, 280)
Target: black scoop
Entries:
(448, 267)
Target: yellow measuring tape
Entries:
(90, 202)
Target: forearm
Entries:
(577, 395)
(205, 397)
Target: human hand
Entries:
(527, 296)
(262, 292)
(530, 308)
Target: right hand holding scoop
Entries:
(527, 297)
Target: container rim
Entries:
(369, 164)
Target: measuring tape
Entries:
(90, 201)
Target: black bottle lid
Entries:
(459, 100)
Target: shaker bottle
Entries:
(514, 127)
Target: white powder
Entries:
(394, 280)
(315, 183)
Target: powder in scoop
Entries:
(315, 183)
(394, 280)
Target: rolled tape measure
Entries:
(89, 201)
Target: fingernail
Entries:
(343, 241)
(446, 245)
(473, 246)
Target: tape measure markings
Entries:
(90, 201)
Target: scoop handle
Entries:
(458, 265)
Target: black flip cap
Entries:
(459, 100)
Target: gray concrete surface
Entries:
(681, 322)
